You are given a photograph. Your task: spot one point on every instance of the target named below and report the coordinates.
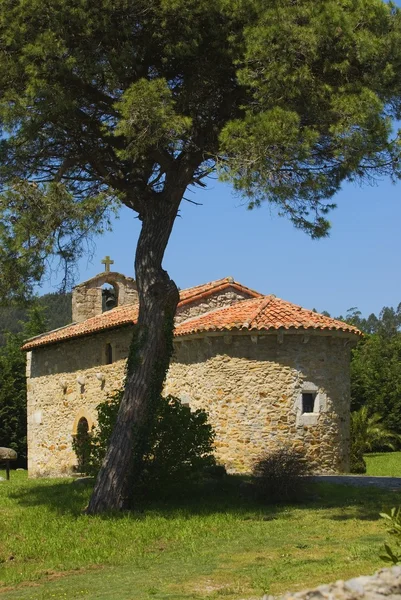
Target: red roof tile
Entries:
(122, 315)
(261, 312)
(206, 289)
(127, 314)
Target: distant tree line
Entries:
(17, 324)
(57, 311)
(376, 365)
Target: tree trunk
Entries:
(149, 356)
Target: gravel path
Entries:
(387, 483)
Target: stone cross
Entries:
(107, 262)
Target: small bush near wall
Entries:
(81, 443)
(280, 475)
(357, 461)
(179, 448)
(368, 433)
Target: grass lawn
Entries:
(385, 463)
(213, 543)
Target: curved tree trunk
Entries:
(149, 357)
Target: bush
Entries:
(280, 475)
(368, 433)
(394, 520)
(357, 461)
(81, 444)
(179, 448)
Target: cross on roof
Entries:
(107, 262)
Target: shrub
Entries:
(179, 447)
(81, 444)
(357, 461)
(368, 433)
(394, 519)
(280, 475)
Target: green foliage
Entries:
(13, 319)
(58, 309)
(13, 398)
(357, 460)
(387, 324)
(149, 118)
(114, 101)
(368, 433)
(13, 386)
(394, 519)
(81, 444)
(375, 366)
(179, 446)
(39, 220)
(280, 475)
(376, 377)
(299, 138)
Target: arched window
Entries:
(83, 426)
(109, 354)
(109, 297)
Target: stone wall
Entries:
(383, 585)
(194, 308)
(252, 386)
(56, 400)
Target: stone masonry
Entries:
(250, 382)
(383, 585)
(251, 388)
(56, 400)
(87, 297)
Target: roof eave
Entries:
(243, 330)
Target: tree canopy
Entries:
(376, 367)
(114, 101)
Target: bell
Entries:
(110, 301)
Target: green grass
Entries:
(213, 543)
(385, 463)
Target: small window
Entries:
(109, 354)
(308, 402)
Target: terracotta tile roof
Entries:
(265, 313)
(261, 312)
(206, 289)
(122, 315)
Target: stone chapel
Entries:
(268, 372)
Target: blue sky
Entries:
(358, 265)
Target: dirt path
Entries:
(387, 483)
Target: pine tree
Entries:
(112, 102)
(13, 397)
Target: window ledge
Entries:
(308, 418)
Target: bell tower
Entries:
(102, 293)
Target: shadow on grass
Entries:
(227, 495)
(351, 502)
(230, 495)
